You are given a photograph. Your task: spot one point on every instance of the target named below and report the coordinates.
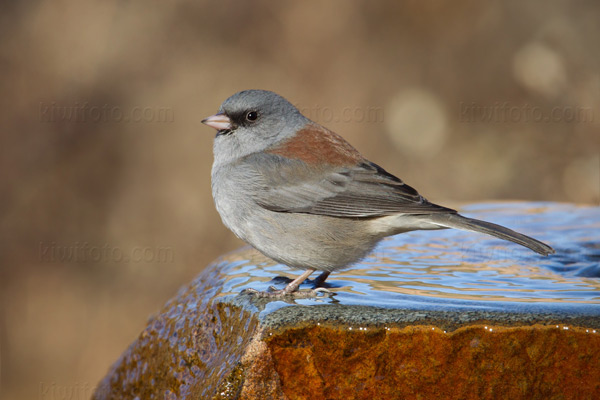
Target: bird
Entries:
(303, 196)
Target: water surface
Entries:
(453, 269)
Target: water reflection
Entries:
(455, 268)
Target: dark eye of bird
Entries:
(252, 116)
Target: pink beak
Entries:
(218, 121)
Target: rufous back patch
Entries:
(315, 145)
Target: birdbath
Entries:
(444, 314)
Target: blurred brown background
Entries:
(105, 167)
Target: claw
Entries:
(291, 290)
(298, 294)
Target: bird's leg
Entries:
(293, 285)
(321, 278)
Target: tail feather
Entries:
(469, 224)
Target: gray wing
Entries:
(362, 191)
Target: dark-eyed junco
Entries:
(303, 196)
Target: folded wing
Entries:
(364, 190)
